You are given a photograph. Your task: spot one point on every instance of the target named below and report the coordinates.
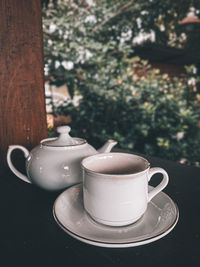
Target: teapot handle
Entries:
(11, 166)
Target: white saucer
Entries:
(159, 219)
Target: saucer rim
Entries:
(112, 244)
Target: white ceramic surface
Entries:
(55, 163)
(159, 219)
(115, 187)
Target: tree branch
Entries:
(112, 16)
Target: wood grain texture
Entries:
(22, 101)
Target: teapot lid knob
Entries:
(64, 139)
(63, 129)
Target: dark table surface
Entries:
(29, 235)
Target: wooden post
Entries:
(22, 102)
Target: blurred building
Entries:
(172, 60)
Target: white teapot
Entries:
(55, 163)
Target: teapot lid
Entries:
(64, 139)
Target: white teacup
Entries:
(115, 187)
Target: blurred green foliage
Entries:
(150, 113)
(88, 46)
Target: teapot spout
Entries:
(107, 146)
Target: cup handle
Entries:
(161, 185)
(11, 166)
